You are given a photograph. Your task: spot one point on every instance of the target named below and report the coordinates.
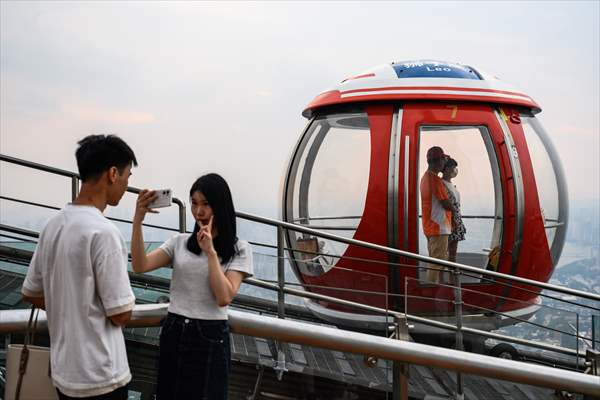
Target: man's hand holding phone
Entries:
(143, 204)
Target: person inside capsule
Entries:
(449, 172)
(437, 211)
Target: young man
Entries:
(78, 273)
(436, 209)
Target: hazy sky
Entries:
(200, 86)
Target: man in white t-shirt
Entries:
(78, 274)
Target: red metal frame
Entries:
(533, 260)
(372, 226)
(416, 115)
(412, 93)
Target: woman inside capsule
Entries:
(450, 172)
(208, 268)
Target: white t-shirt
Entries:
(80, 268)
(191, 294)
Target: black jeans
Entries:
(194, 359)
(117, 394)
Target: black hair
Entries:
(217, 193)
(432, 161)
(98, 153)
(450, 163)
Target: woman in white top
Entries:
(450, 172)
(208, 268)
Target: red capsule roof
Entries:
(421, 80)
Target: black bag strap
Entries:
(31, 327)
(29, 337)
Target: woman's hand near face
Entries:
(141, 207)
(205, 238)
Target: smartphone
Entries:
(163, 199)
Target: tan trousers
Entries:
(438, 248)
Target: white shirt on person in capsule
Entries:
(80, 268)
(190, 293)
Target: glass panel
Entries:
(478, 189)
(330, 185)
(438, 302)
(533, 321)
(548, 325)
(545, 178)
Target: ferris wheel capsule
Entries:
(356, 172)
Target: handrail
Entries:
(281, 289)
(333, 228)
(410, 317)
(75, 176)
(300, 228)
(289, 331)
(496, 296)
(366, 308)
(284, 225)
(555, 225)
(425, 321)
(151, 280)
(406, 254)
(404, 265)
(4, 235)
(319, 218)
(19, 231)
(31, 203)
(41, 167)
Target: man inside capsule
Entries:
(437, 211)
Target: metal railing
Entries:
(282, 226)
(359, 343)
(302, 229)
(395, 315)
(74, 177)
(150, 281)
(282, 289)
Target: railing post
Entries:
(280, 274)
(459, 336)
(182, 223)
(280, 363)
(595, 333)
(74, 187)
(400, 376)
(577, 341)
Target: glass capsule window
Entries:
(546, 179)
(327, 186)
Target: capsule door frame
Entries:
(410, 118)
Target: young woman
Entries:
(208, 268)
(449, 172)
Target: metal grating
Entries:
(263, 348)
(11, 299)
